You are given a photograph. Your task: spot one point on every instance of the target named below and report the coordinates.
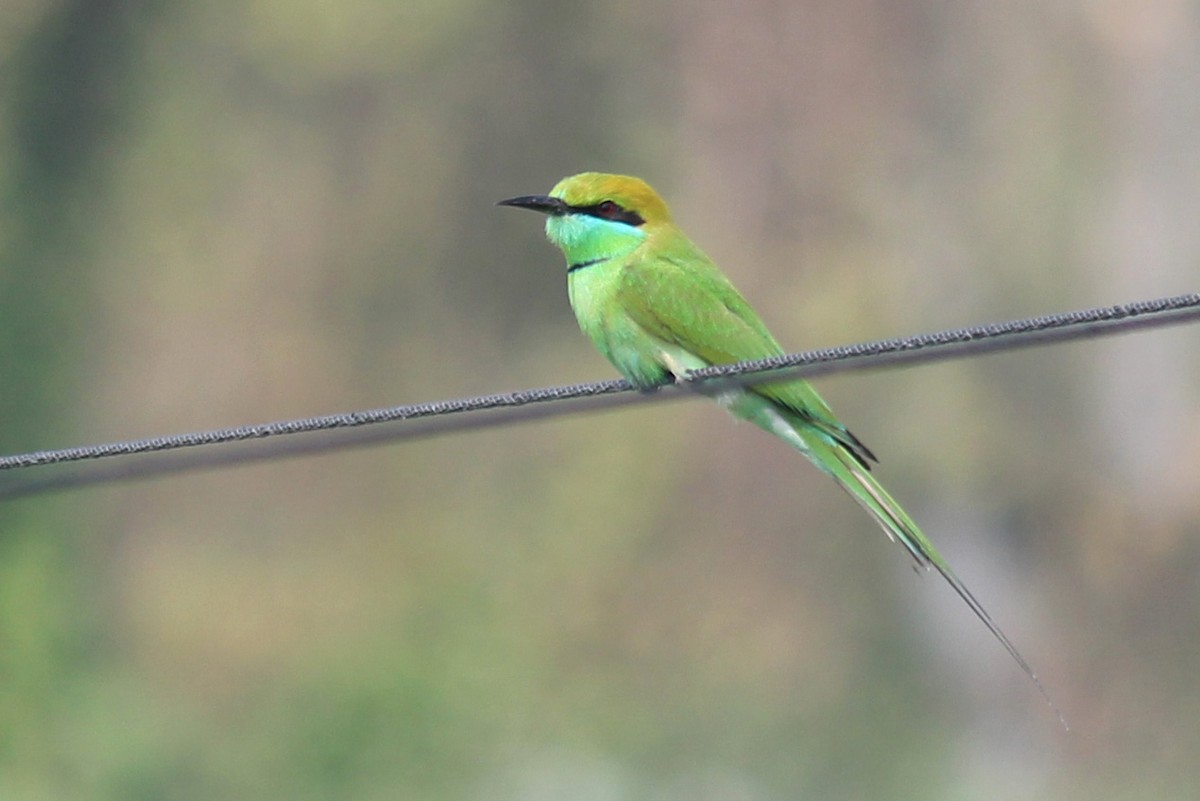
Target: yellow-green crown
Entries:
(630, 193)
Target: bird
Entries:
(658, 308)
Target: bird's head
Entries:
(596, 215)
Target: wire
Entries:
(485, 411)
(975, 340)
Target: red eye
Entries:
(608, 209)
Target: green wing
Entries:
(682, 298)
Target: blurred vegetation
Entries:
(215, 213)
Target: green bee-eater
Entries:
(657, 307)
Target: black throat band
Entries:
(579, 265)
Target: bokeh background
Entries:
(215, 213)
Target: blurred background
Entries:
(215, 213)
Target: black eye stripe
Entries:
(612, 211)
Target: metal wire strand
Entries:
(484, 411)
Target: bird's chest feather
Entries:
(595, 298)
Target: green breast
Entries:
(593, 291)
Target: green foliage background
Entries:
(215, 213)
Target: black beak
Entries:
(543, 203)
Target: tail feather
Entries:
(848, 471)
(844, 462)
